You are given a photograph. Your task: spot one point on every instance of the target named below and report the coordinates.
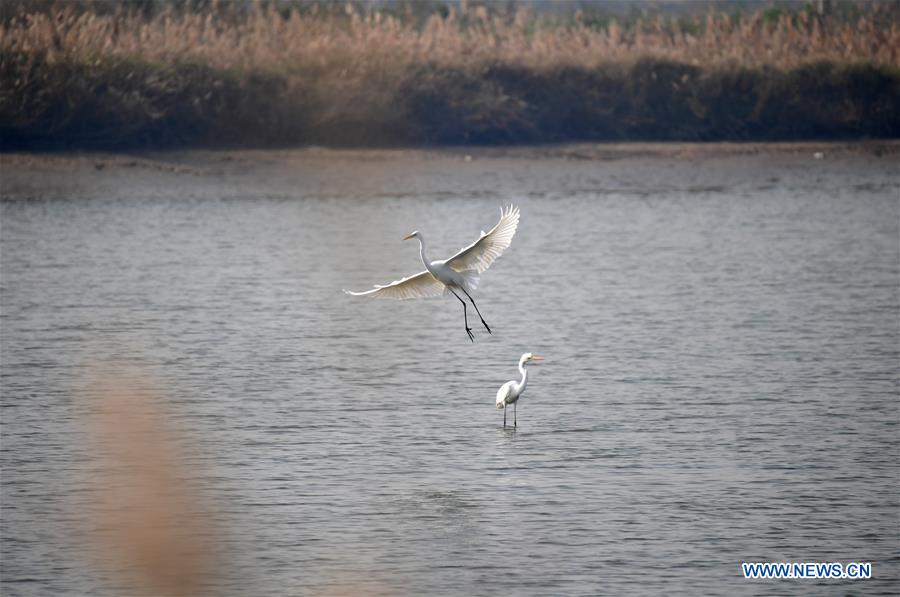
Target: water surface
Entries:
(721, 379)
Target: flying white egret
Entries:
(510, 391)
(458, 273)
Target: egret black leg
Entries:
(504, 416)
(483, 322)
(465, 316)
(515, 423)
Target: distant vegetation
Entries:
(157, 74)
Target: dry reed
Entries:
(327, 73)
(268, 39)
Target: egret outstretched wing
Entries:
(457, 275)
(421, 285)
(484, 251)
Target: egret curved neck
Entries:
(524, 373)
(421, 240)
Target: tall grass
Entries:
(258, 73)
(287, 41)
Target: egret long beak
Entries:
(408, 236)
(536, 358)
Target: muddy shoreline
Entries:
(641, 169)
(212, 161)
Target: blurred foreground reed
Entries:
(254, 74)
(147, 529)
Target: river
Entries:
(720, 385)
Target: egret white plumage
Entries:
(510, 391)
(458, 273)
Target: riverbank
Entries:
(645, 169)
(123, 105)
(194, 161)
(264, 78)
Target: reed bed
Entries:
(263, 74)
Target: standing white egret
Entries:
(458, 273)
(510, 391)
